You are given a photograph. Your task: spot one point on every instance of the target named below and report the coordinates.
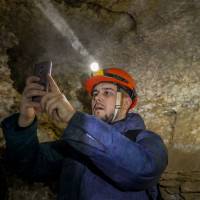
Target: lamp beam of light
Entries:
(52, 14)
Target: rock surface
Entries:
(157, 41)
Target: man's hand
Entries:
(28, 108)
(56, 104)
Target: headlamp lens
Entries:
(94, 67)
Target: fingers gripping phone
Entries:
(41, 70)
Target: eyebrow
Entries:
(106, 88)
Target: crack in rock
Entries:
(100, 7)
(173, 125)
(97, 7)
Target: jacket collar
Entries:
(133, 121)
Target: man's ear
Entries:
(127, 101)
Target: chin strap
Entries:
(118, 105)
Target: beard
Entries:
(106, 118)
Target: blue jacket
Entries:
(93, 160)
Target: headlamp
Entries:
(94, 66)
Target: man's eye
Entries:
(108, 93)
(94, 94)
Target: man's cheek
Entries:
(92, 105)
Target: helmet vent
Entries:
(116, 77)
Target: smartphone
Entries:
(41, 70)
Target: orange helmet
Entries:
(113, 75)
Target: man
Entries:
(108, 155)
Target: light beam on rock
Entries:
(62, 26)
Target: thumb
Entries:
(53, 86)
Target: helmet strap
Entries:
(118, 104)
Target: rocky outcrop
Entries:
(181, 179)
(156, 41)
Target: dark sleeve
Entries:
(131, 165)
(25, 156)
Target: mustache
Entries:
(98, 105)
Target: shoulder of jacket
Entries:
(148, 134)
(139, 134)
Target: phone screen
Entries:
(41, 70)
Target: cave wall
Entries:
(157, 41)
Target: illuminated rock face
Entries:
(156, 41)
